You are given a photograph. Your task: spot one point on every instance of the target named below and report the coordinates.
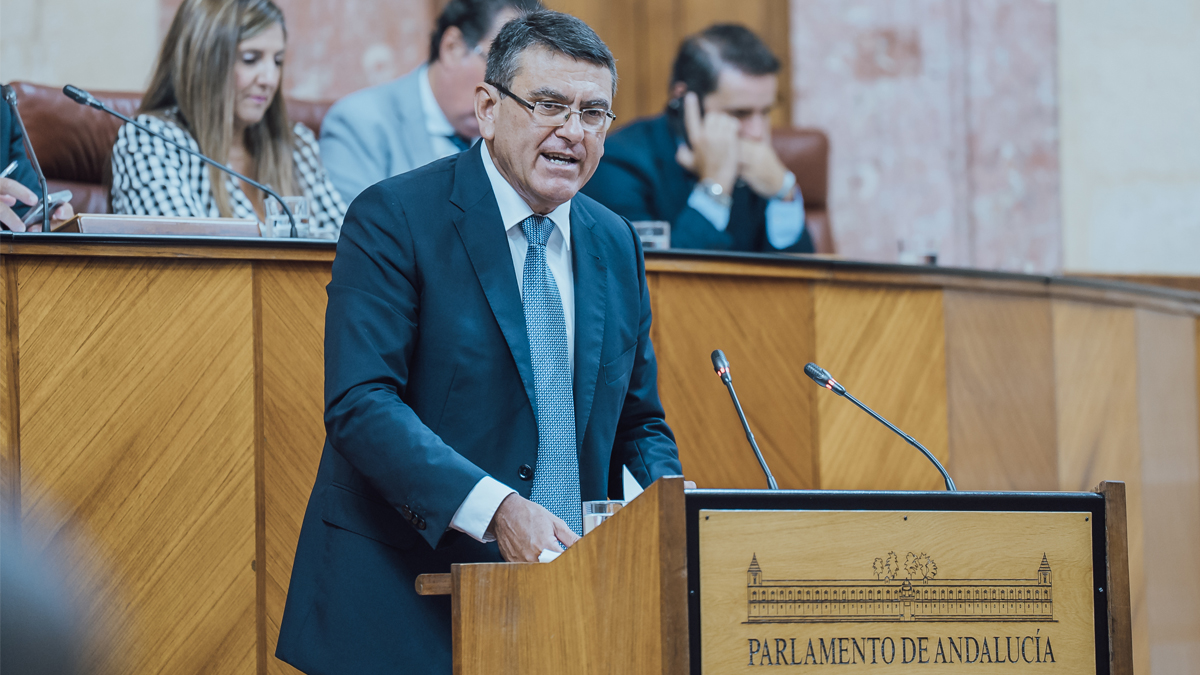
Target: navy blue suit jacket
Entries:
(428, 387)
(12, 148)
(640, 180)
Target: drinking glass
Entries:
(278, 225)
(597, 512)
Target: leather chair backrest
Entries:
(74, 142)
(805, 152)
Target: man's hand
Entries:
(61, 214)
(714, 139)
(12, 192)
(760, 167)
(523, 529)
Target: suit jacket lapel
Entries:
(591, 294)
(479, 226)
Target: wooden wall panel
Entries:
(644, 37)
(1170, 442)
(886, 347)
(1095, 373)
(765, 328)
(137, 407)
(293, 333)
(1000, 387)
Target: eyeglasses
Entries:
(551, 114)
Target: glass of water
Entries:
(278, 225)
(597, 512)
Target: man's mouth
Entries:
(559, 159)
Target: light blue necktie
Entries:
(556, 479)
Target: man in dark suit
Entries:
(707, 165)
(18, 190)
(487, 364)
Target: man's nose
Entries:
(754, 127)
(573, 130)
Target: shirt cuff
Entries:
(475, 513)
(708, 207)
(785, 221)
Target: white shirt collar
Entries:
(436, 122)
(513, 209)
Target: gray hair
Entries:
(561, 33)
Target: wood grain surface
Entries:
(137, 453)
(885, 345)
(1096, 399)
(1000, 392)
(645, 36)
(765, 328)
(1167, 411)
(615, 602)
(1120, 626)
(293, 332)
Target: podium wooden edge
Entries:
(1116, 542)
(433, 584)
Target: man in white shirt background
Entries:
(425, 115)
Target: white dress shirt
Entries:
(475, 513)
(436, 124)
(785, 219)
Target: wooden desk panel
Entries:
(1097, 407)
(292, 300)
(1170, 457)
(137, 462)
(173, 393)
(764, 326)
(886, 346)
(1000, 392)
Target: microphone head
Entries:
(817, 373)
(823, 378)
(10, 94)
(80, 96)
(720, 363)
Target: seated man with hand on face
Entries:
(428, 114)
(706, 165)
(488, 364)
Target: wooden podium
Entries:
(673, 584)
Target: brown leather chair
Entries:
(805, 152)
(74, 142)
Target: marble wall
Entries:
(943, 122)
(335, 48)
(1131, 135)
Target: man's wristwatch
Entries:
(715, 192)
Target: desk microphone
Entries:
(10, 95)
(721, 365)
(823, 378)
(83, 98)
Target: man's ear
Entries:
(486, 100)
(452, 44)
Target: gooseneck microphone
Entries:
(721, 365)
(823, 378)
(10, 95)
(83, 98)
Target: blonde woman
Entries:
(216, 90)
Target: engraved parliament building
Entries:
(858, 600)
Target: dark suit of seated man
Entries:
(728, 190)
(488, 364)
